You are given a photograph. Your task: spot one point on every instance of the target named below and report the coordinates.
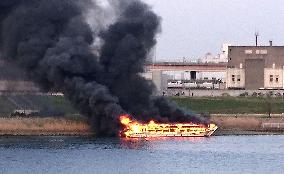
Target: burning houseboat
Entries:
(134, 129)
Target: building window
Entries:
(260, 51)
(277, 78)
(271, 78)
(257, 51)
(238, 78)
(233, 78)
(248, 51)
(263, 51)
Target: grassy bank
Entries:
(43, 126)
(232, 105)
(49, 106)
(228, 125)
(230, 113)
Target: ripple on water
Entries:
(222, 154)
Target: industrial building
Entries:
(255, 67)
(209, 72)
(190, 71)
(248, 68)
(186, 75)
(219, 58)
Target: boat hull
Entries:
(207, 133)
(134, 129)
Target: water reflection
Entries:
(63, 142)
(43, 142)
(149, 143)
(135, 143)
(64, 155)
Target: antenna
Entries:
(256, 37)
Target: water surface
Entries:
(68, 155)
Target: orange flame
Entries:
(124, 119)
(134, 129)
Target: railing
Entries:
(272, 125)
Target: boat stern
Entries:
(211, 129)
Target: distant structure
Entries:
(189, 71)
(151, 57)
(14, 79)
(186, 75)
(206, 73)
(256, 38)
(222, 57)
(255, 67)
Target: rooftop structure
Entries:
(255, 67)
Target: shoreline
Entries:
(245, 133)
(248, 125)
(228, 125)
(20, 126)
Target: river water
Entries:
(76, 155)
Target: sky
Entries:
(192, 28)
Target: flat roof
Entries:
(256, 46)
(187, 64)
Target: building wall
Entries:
(235, 78)
(273, 78)
(160, 81)
(254, 73)
(259, 63)
(271, 55)
(147, 75)
(214, 75)
(181, 75)
(185, 75)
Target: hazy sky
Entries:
(191, 28)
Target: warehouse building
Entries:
(255, 67)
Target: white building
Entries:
(222, 57)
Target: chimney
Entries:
(270, 43)
(256, 38)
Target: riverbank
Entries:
(232, 105)
(43, 126)
(228, 125)
(248, 124)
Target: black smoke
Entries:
(52, 41)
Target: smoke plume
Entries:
(52, 40)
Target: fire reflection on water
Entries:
(150, 143)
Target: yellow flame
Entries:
(134, 128)
(125, 120)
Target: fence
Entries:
(279, 126)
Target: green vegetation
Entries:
(50, 106)
(5, 105)
(47, 105)
(232, 105)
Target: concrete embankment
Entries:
(43, 126)
(248, 124)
